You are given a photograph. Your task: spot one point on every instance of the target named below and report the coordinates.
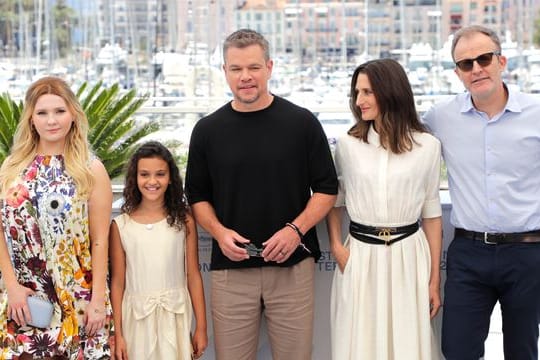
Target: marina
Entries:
(312, 68)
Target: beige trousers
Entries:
(284, 295)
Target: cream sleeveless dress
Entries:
(156, 309)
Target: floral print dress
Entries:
(46, 230)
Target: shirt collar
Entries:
(373, 136)
(512, 104)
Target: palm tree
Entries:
(10, 113)
(113, 134)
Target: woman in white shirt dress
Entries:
(386, 285)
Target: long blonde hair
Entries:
(26, 139)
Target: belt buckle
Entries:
(486, 241)
(385, 234)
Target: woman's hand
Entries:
(199, 342)
(341, 254)
(18, 309)
(434, 300)
(94, 317)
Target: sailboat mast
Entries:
(39, 13)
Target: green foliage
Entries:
(176, 147)
(113, 134)
(536, 33)
(64, 18)
(14, 15)
(10, 113)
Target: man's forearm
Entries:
(316, 209)
(205, 215)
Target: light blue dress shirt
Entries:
(493, 164)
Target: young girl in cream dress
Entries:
(156, 282)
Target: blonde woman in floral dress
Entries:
(56, 207)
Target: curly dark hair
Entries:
(175, 201)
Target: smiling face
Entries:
(483, 82)
(52, 121)
(247, 73)
(153, 178)
(365, 99)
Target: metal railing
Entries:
(177, 115)
(198, 105)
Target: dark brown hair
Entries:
(175, 202)
(243, 38)
(395, 100)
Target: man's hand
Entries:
(281, 245)
(228, 243)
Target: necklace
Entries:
(149, 226)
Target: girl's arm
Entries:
(99, 217)
(118, 285)
(333, 224)
(195, 287)
(17, 306)
(433, 229)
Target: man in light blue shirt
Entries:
(491, 145)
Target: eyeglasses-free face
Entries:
(483, 60)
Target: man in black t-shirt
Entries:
(260, 176)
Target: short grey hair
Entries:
(475, 29)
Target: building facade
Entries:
(336, 31)
(329, 30)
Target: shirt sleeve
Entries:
(428, 119)
(432, 204)
(198, 183)
(340, 201)
(322, 170)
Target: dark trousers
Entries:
(479, 275)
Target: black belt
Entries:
(363, 232)
(500, 238)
